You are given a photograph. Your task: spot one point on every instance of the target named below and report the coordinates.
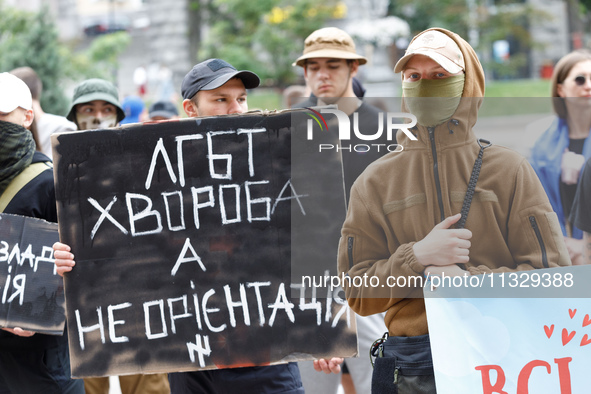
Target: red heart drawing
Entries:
(572, 312)
(566, 337)
(549, 330)
(586, 321)
(585, 340)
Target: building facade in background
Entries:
(161, 38)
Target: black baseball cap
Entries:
(213, 73)
(165, 109)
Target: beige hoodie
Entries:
(396, 202)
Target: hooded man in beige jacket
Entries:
(408, 212)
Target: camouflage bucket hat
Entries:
(95, 89)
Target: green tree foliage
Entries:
(31, 39)
(509, 22)
(100, 59)
(265, 36)
(28, 39)
(421, 15)
(490, 21)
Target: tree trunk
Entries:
(194, 11)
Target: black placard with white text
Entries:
(31, 292)
(182, 235)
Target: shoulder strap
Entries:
(472, 183)
(26, 176)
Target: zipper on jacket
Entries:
(436, 172)
(534, 225)
(350, 251)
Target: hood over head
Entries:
(474, 83)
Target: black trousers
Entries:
(273, 379)
(35, 371)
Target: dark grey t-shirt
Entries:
(580, 214)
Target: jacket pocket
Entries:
(391, 375)
(350, 244)
(534, 224)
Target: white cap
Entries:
(439, 47)
(14, 93)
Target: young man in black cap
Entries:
(214, 87)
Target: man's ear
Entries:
(28, 118)
(190, 108)
(354, 68)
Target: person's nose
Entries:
(323, 73)
(235, 107)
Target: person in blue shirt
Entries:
(560, 152)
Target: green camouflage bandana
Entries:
(16, 152)
(433, 101)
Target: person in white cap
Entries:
(45, 124)
(16, 103)
(449, 204)
(29, 362)
(330, 63)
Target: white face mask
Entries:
(91, 122)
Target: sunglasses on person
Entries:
(580, 80)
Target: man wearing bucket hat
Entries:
(95, 105)
(330, 64)
(214, 87)
(29, 362)
(408, 213)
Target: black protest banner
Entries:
(32, 292)
(182, 233)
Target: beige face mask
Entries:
(433, 101)
(91, 122)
